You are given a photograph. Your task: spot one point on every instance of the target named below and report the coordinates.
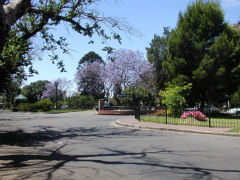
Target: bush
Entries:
(59, 104)
(23, 106)
(14, 109)
(160, 112)
(235, 98)
(43, 104)
(87, 102)
(141, 94)
(194, 114)
(81, 101)
(33, 107)
(174, 98)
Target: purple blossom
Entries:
(90, 77)
(124, 68)
(128, 68)
(61, 85)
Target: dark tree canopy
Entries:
(157, 53)
(90, 58)
(204, 50)
(35, 90)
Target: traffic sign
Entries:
(122, 95)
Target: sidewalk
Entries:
(132, 122)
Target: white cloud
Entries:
(231, 3)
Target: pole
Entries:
(166, 115)
(209, 118)
(56, 84)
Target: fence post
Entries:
(209, 118)
(166, 116)
(137, 112)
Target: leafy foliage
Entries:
(35, 90)
(27, 20)
(174, 98)
(235, 99)
(160, 112)
(157, 53)
(43, 104)
(203, 50)
(140, 94)
(81, 101)
(16, 56)
(90, 57)
(23, 106)
(11, 91)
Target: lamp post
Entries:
(56, 85)
(108, 94)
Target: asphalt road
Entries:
(83, 145)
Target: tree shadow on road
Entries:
(48, 164)
(46, 134)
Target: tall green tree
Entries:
(235, 98)
(138, 94)
(35, 90)
(90, 57)
(157, 53)
(204, 50)
(10, 92)
(15, 58)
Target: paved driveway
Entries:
(83, 145)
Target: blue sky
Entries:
(149, 17)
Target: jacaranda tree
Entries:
(90, 79)
(56, 90)
(128, 68)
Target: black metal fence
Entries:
(206, 117)
(209, 116)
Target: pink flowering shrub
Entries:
(195, 114)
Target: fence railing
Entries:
(209, 116)
(206, 117)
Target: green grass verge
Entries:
(215, 122)
(234, 130)
(58, 111)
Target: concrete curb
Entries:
(118, 122)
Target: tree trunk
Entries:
(203, 99)
(3, 28)
(9, 14)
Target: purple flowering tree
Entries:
(58, 87)
(90, 79)
(124, 69)
(128, 68)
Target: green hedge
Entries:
(44, 105)
(81, 101)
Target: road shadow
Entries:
(55, 160)
(47, 162)
(46, 134)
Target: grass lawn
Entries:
(235, 130)
(54, 111)
(227, 121)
